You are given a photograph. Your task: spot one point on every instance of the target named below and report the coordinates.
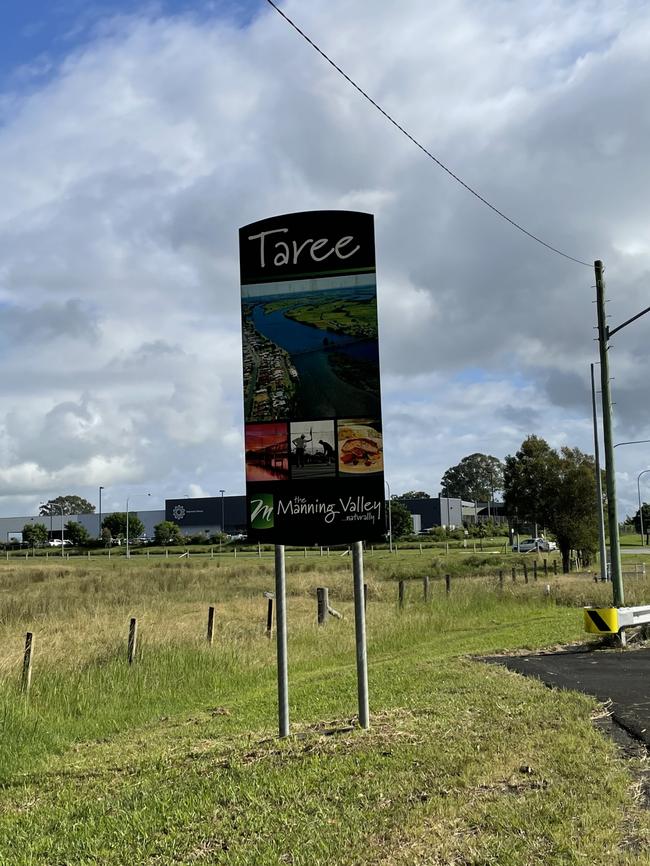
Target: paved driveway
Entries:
(620, 676)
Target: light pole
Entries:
(52, 505)
(223, 521)
(99, 534)
(599, 486)
(128, 552)
(634, 442)
(638, 488)
(390, 520)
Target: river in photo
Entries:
(321, 393)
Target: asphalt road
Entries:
(619, 676)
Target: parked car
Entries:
(540, 544)
(56, 542)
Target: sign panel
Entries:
(312, 405)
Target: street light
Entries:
(99, 534)
(599, 485)
(52, 505)
(223, 521)
(638, 488)
(634, 442)
(128, 552)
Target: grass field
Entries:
(175, 759)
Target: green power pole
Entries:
(612, 513)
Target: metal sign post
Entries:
(281, 641)
(360, 633)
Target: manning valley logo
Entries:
(261, 511)
(178, 512)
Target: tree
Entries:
(634, 520)
(476, 477)
(77, 533)
(167, 532)
(556, 490)
(400, 519)
(527, 495)
(116, 524)
(35, 534)
(70, 504)
(412, 494)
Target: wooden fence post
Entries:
(500, 578)
(365, 596)
(133, 639)
(269, 617)
(514, 575)
(555, 566)
(401, 593)
(211, 624)
(545, 568)
(26, 680)
(535, 570)
(525, 573)
(322, 602)
(425, 588)
(448, 583)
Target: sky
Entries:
(135, 139)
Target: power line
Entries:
(428, 153)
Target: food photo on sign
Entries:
(360, 447)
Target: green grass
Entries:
(175, 759)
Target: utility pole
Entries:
(612, 514)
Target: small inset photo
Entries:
(313, 449)
(360, 446)
(267, 452)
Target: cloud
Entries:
(128, 169)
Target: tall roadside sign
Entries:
(312, 403)
(312, 407)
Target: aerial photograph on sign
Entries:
(311, 348)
